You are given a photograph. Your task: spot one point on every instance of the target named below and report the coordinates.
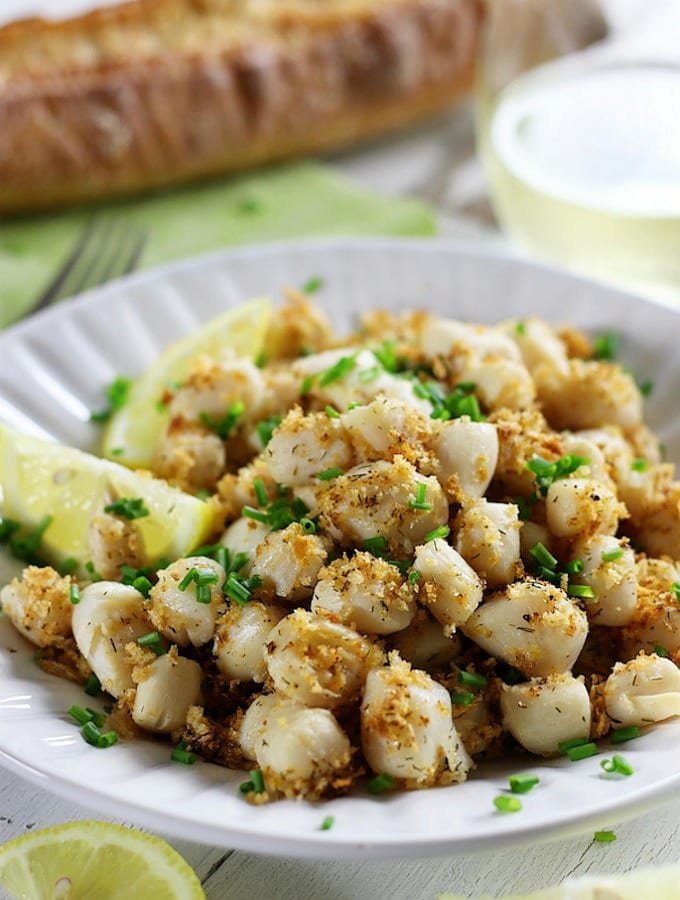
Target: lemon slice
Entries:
(40, 478)
(133, 431)
(95, 859)
(645, 884)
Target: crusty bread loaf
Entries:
(155, 92)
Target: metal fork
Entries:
(106, 249)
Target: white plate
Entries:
(52, 372)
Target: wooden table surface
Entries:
(436, 163)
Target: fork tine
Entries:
(86, 274)
(53, 291)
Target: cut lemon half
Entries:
(646, 884)
(95, 859)
(132, 432)
(40, 478)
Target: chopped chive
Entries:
(92, 686)
(675, 589)
(180, 754)
(621, 735)
(380, 784)
(203, 594)
(543, 556)
(506, 804)
(97, 717)
(257, 780)
(583, 591)
(569, 745)
(646, 388)
(153, 641)
(522, 507)
(332, 412)
(510, 675)
(604, 837)
(414, 577)
(419, 502)
(327, 823)
(249, 205)
(190, 576)
(472, 679)
(639, 465)
(128, 507)
(80, 714)
(462, 698)
(616, 766)
(250, 513)
(312, 285)
(107, 739)
(353, 405)
(307, 384)
(143, 585)
(442, 532)
(260, 492)
(266, 427)
(522, 784)
(238, 561)
(26, 546)
(308, 525)
(236, 590)
(547, 472)
(328, 474)
(7, 528)
(74, 594)
(583, 751)
(117, 394)
(224, 426)
(91, 733)
(659, 650)
(94, 575)
(68, 567)
(611, 555)
(606, 346)
(575, 567)
(341, 368)
(366, 375)
(245, 787)
(520, 328)
(375, 543)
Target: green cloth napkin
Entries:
(298, 200)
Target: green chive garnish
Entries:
(604, 837)
(341, 368)
(266, 427)
(117, 394)
(80, 714)
(575, 567)
(180, 754)
(675, 589)
(332, 412)
(128, 507)
(522, 784)
(543, 556)
(442, 532)
(327, 823)
(584, 591)
(92, 686)
(308, 525)
(250, 513)
(564, 746)
(260, 492)
(68, 566)
(74, 594)
(312, 285)
(414, 577)
(328, 474)
(420, 502)
(659, 650)
(472, 679)
(380, 784)
(621, 735)
(583, 751)
(606, 346)
(506, 804)
(257, 780)
(462, 698)
(612, 555)
(639, 465)
(142, 584)
(616, 766)
(224, 426)
(153, 641)
(374, 544)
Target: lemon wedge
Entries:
(95, 859)
(132, 432)
(40, 478)
(645, 884)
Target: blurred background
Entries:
(135, 133)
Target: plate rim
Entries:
(313, 845)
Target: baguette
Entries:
(156, 92)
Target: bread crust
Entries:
(120, 100)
